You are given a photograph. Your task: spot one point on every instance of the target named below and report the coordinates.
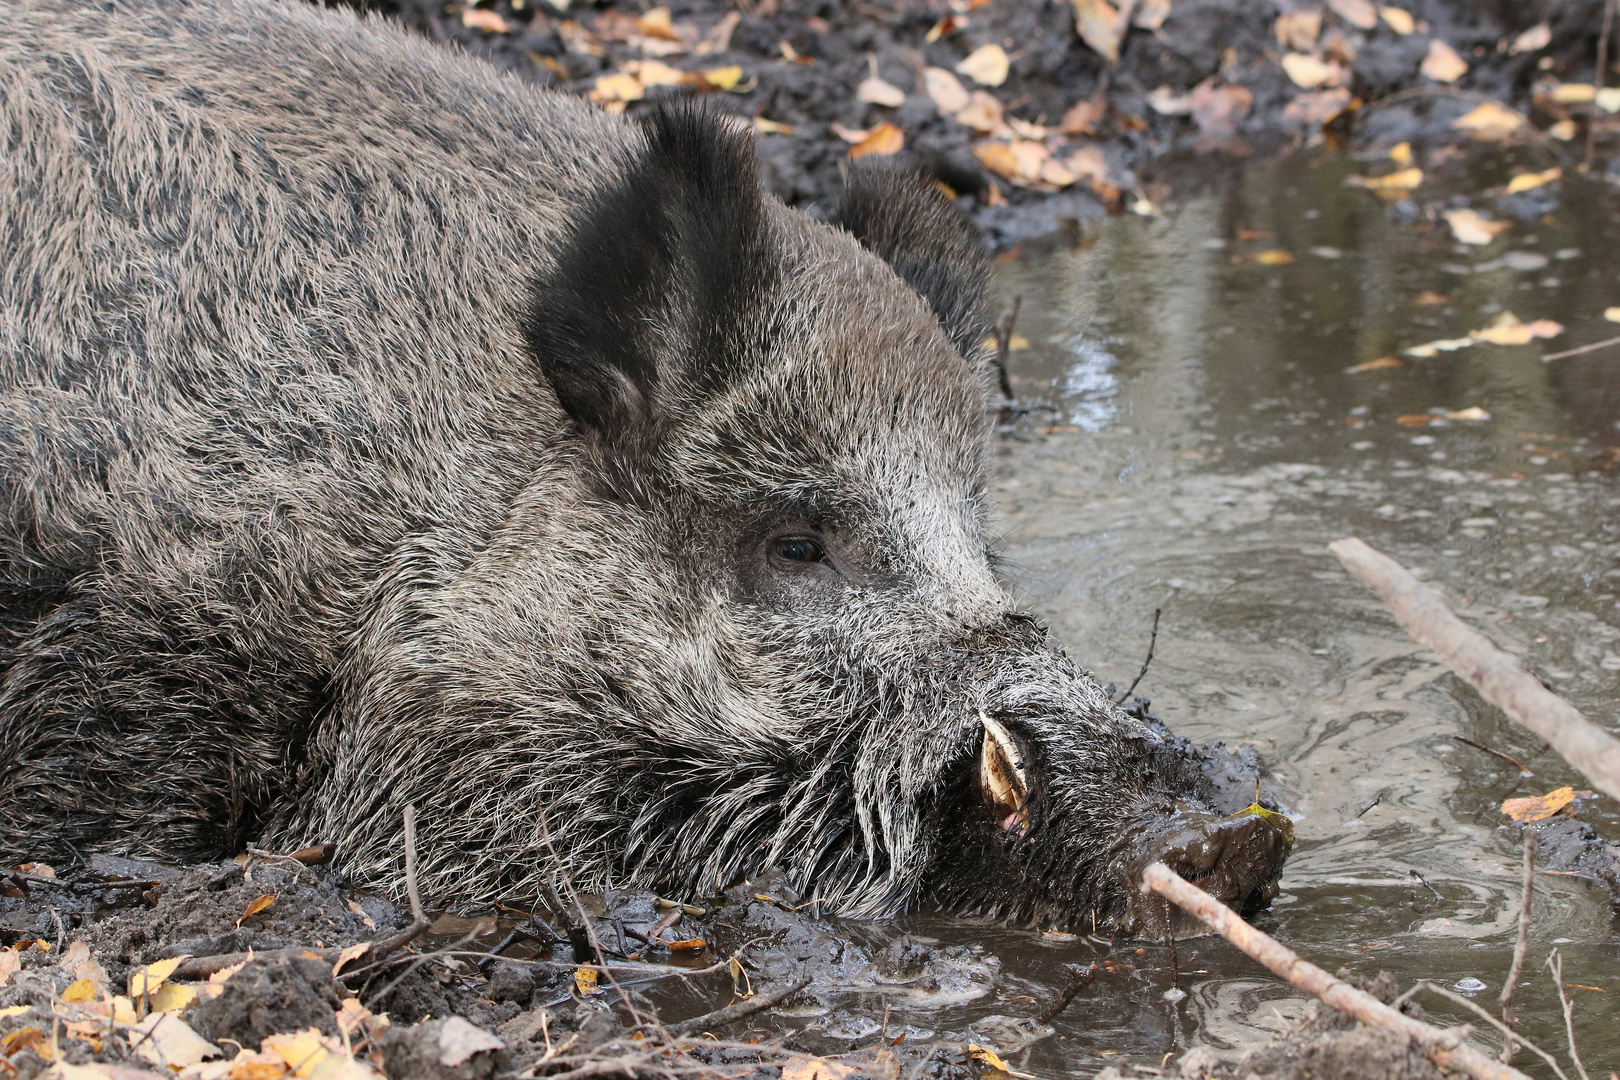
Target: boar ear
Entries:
(649, 305)
(913, 227)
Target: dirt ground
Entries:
(1034, 129)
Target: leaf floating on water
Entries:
(1472, 227)
(1490, 121)
(1431, 348)
(1473, 412)
(1508, 330)
(688, 945)
(1527, 181)
(1540, 807)
(987, 65)
(585, 981)
(257, 906)
(1273, 258)
(1375, 365)
(1391, 186)
(1442, 64)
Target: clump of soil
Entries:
(1197, 88)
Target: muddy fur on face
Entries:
(376, 430)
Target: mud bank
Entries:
(1034, 129)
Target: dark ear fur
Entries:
(655, 292)
(909, 223)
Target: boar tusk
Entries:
(1001, 772)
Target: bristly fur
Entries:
(910, 224)
(314, 505)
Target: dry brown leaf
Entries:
(763, 126)
(168, 1042)
(1529, 180)
(1166, 102)
(1539, 807)
(28, 1038)
(882, 140)
(1082, 117)
(1415, 420)
(947, 25)
(1217, 109)
(688, 945)
(1398, 19)
(983, 113)
(460, 1040)
(1472, 227)
(360, 911)
(946, 90)
(1361, 14)
(1308, 72)
(656, 23)
(482, 19)
(718, 39)
(1298, 30)
(1150, 14)
(1089, 164)
(10, 963)
(1316, 109)
(998, 158)
(1375, 365)
(1442, 64)
(257, 906)
(987, 65)
(1489, 121)
(353, 952)
(1534, 39)
(1428, 298)
(876, 91)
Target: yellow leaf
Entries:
(1563, 130)
(169, 1042)
(1360, 14)
(1538, 807)
(1394, 185)
(1309, 72)
(1528, 180)
(998, 158)
(80, 990)
(1574, 93)
(1099, 25)
(1489, 121)
(617, 87)
(1401, 153)
(253, 1065)
(256, 906)
(983, 113)
(479, 19)
(1471, 227)
(656, 24)
(986, 65)
(146, 980)
(585, 981)
(655, 73)
(225, 973)
(946, 90)
(1608, 99)
(876, 91)
(1397, 19)
(723, 78)
(1472, 413)
(14, 1010)
(1612, 314)
(986, 1056)
(174, 997)
(882, 140)
(28, 1038)
(353, 952)
(1273, 258)
(1536, 38)
(1442, 64)
(816, 1069)
(304, 1052)
(1376, 365)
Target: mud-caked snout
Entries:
(1237, 859)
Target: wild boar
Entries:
(378, 430)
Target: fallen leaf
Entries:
(1099, 26)
(1612, 314)
(585, 981)
(1472, 413)
(483, 19)
(1309, 72)
(882, 140)
(987, 65)
(688, 945)
(28, 1038)
(617, 86)
(1392, 186)
(1089, 164)
(1489, 122)
(719, 38)
(656, 23)
(225, 973)
(1166, 102)
(1150, 14)
(948, 24)
(722, 78)
(38, 869)
(1539, 807)
(1432, 348)
(1574, 93)
(1273, 258)
(1508, 330)
(353, 952)
(10, 963)
(816, 1069)
(875, 91)
(1397, 19)
(1415, 420)
(763, 126)
(309, 1054)
(1298, 30)
(460, 1041)
(1563, 130)
(146, 980)
(1361, 14)
(1529, 180)
(80, 990)
(1428, 298)
(1537, 37)
(173, 997)
(983, 113)
(1217, 109)
(1375, 365)
(998, 158)
(168, 1042)
(1471, 227)
(986, 1056)
(14, 1010)
(1316, 109)
(655, 73)
(945, 89)
(257, 906)
(1608, 99)
(360, 911)
(1442, 64)
(1082, 117)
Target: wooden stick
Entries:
(417, 914)
(1445, 1048)
(732, 1013)
(1521, 941)
(1498, 677)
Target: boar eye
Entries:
(801, 550)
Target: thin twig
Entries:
(1446, 1049)
(1555, 964)
(1521, 941)
(1004, 333)
(737, 1011)
(1081, 976)
(415, 896)
(1498, 677)
(1598, 76)
(1510, 759)
(1604, 344)
(1507, 1032)
(1153, 640)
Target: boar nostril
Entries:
(1002, 780)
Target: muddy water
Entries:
(1199, 443)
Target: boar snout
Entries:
(1238, 860)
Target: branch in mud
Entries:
(1498, 677)
(1445, 1048)
(732, 1013)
